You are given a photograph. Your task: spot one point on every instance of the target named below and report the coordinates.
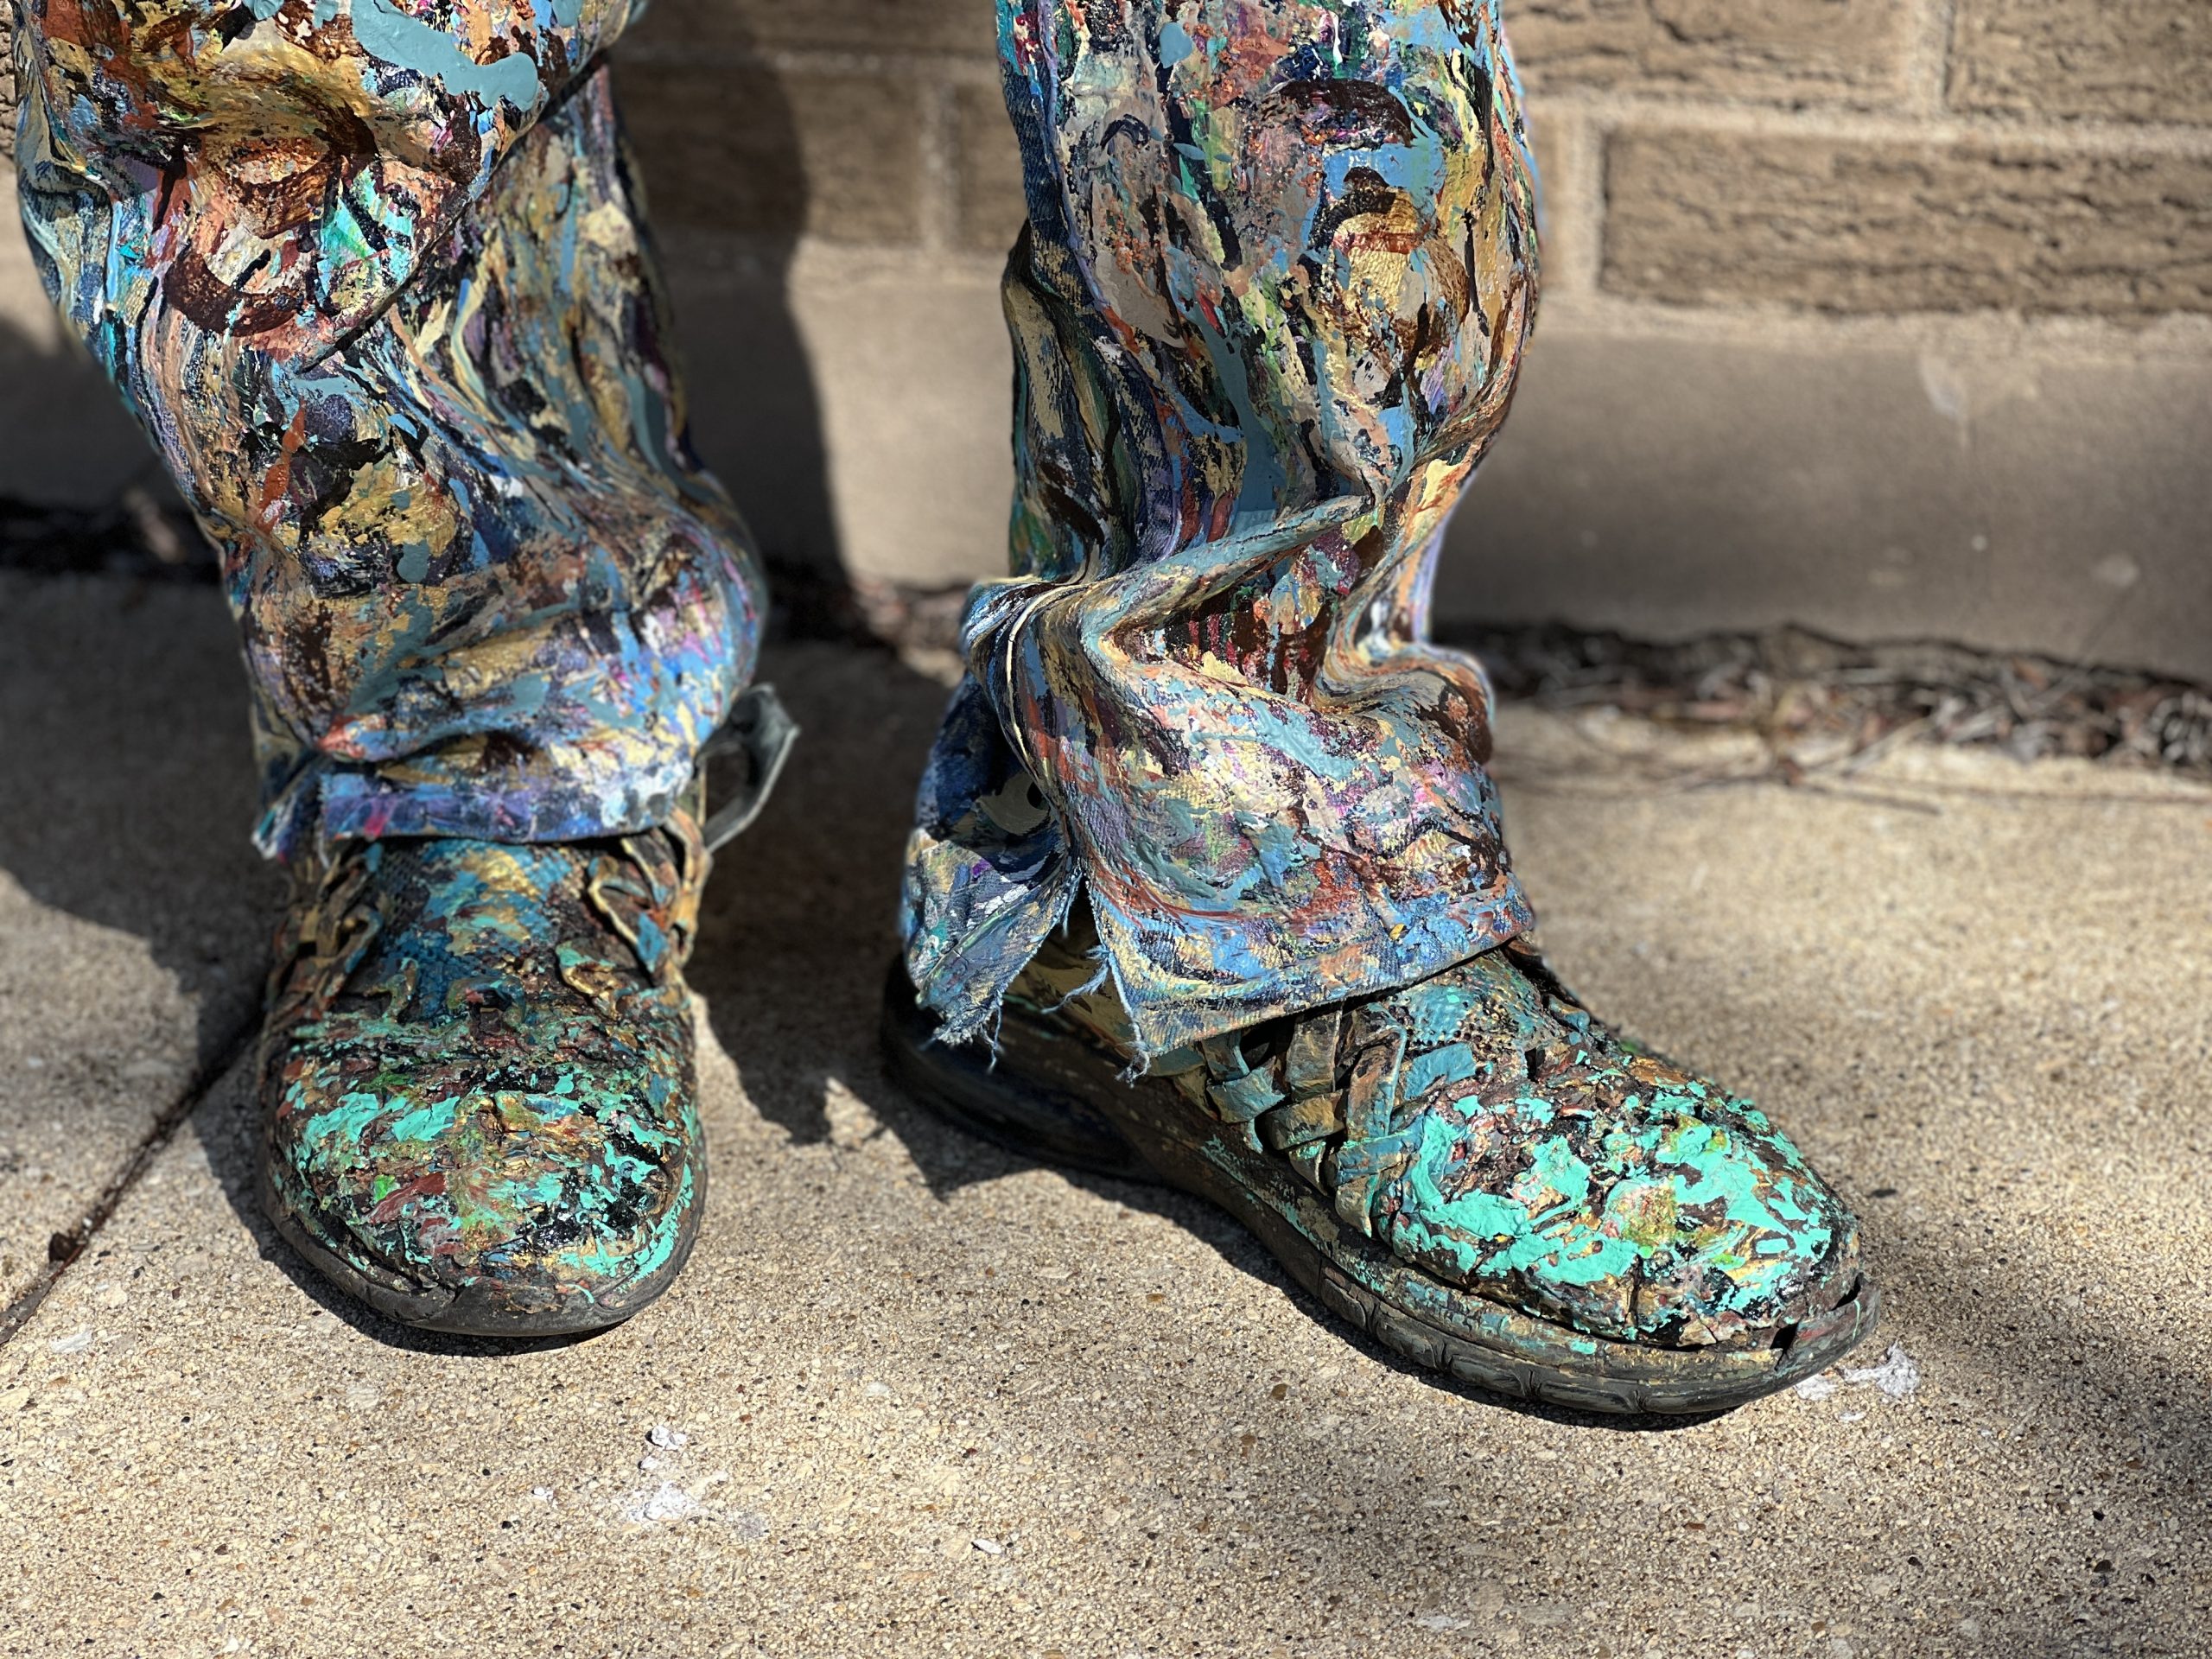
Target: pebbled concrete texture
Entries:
(133, 909)
(917, 1396)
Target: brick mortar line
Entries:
(1613, 113)
(1580, 227)
(67, 1248)
(2183, 336)
(937, 208)
(951, 68)
(1928, 56)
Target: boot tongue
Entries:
(460, 913)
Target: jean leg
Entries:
(402, 341)
(1267, 311)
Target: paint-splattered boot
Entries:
(1471, 1169)
(478, 1080)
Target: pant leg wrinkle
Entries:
(1266, 315)
(485, 588)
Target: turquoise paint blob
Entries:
(388, 33)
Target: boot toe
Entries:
(1681, 1217)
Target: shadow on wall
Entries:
(65, 438)
(738, 165)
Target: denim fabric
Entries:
(379, 290)
(1280, 266)
(374, 280)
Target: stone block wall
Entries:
(1886, 316)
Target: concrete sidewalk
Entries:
(917, 1396)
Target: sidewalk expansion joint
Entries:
(66, 1246)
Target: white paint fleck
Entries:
(1897, 1376)
(1947, 391)
(2117, 570)
(990, 1546)
(668, 1439)
(75, 1342)
(665, 1503)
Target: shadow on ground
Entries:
(2100, 1424)
(802, 916)
(122, 737)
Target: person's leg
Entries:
(1209, 797)
(1268, 312)
(388, 314)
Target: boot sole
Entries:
(1054, 1096)
(482, 1309)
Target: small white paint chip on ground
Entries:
(1947, 391)
(990, 1546)
(1442, 1622)
(668, 1439)
(665, 1503)
(1897, 1376)
(543, 1494)
(75, 1342)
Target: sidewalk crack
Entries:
(64, 1248)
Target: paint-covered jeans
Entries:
(372, 274)
(374, 280)
(1280, 264)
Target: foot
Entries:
(478, 1077)
(1473, 1169)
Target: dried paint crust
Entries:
(372, 275)
(374, 280)
(1471, 1168)
(478, 1076)
(1279, 266)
